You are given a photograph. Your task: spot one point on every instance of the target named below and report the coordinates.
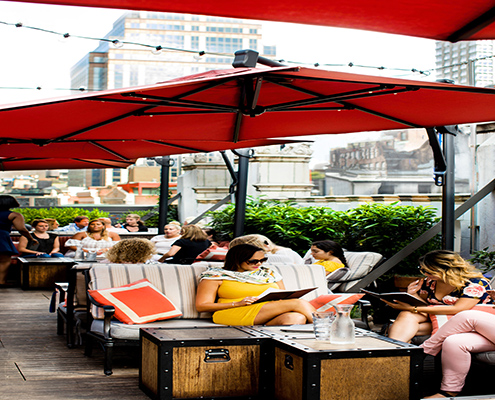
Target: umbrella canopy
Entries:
(451, 20)
(229, 109)
(18, 164)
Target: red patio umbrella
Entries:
(450, 20)
(18, 164)
(231, 109)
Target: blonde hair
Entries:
(194, 233)
(131, 251)
(175, 224)
(256, 240)
(51, 223)
(450, 267)
(104, 233)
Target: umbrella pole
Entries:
(241, 192)
(448, 193)
(165, 163)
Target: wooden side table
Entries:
(42, 273)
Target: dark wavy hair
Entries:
(238, 254)
(7, 202)
(333, 247)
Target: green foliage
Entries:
(484, 259)
(384, 228)
(64, 216)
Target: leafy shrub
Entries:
(484, 259)
(64, 215)
(384, 228)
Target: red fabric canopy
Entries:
(450, 20)
(231, 109)
(17, 164)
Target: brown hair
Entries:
(104, 233)
(194, 233)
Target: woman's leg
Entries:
(456, 358)
(465, 321)
(407, 325)
(4, 266)
(273, 310)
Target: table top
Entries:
(50, 260)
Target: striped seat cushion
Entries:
(360, 264)
(179, 282)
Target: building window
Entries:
(223, 45)
(270, 50)
(195, 28)
(119, 76)
(253, 44)
(194, 42)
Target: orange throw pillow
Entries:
(213, 253)
(137, 303)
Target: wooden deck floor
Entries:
(35, 363)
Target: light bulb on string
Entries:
(63, 38)
(157, 50)
(117, 44)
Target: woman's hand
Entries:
(415, 286)
(246, 301)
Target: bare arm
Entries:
(23, 242)
(172, 252)
(19, 224)
(77, 236)
(56, 246)
(207, 295)
(281, 284)
(114, 236)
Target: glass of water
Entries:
(321, 323)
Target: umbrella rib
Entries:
(185, 112)
(381, 115)
(174, 145)
(99, 163)
(473, 26)
(108, 150)
(165, 103)
(334, 97)
(100, 124)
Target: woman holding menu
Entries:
(229, 292)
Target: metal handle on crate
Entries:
(217, 355)
(289, 362)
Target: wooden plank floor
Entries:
(35, 362)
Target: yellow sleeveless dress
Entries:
(230, 291)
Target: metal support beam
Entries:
(165, 163)
(448, 194)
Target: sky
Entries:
(32, 59)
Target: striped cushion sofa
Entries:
(179, 284)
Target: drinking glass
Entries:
(321, 324)
(342, 330)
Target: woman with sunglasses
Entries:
(451, 285)
(229, 292)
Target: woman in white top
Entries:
(164, 242)
(96, 238)
(274, 253)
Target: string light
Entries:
(198, 54)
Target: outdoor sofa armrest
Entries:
(366, 318)
(109, 312)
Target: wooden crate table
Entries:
(216, 362)
(375, 367)
(42, 273)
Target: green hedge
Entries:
(384, 228)
(64, 216)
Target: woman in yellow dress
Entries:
(229, 292)
(329, 254)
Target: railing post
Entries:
(165, 163)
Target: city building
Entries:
(114, 65)
(467, 63)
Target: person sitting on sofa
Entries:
(163, 243)
(229, 292)
(185, 250)
(329, 254)
(274, 253)
(48, 244)
(452, 285)
(131, 251)
(96, 239)
(80, 224)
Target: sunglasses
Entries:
(254, 262)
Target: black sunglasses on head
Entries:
(254, 261)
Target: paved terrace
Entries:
(35, 363)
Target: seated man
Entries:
(80, 224)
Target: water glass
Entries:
(91, 255)
(342, 330)
(321, 323)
